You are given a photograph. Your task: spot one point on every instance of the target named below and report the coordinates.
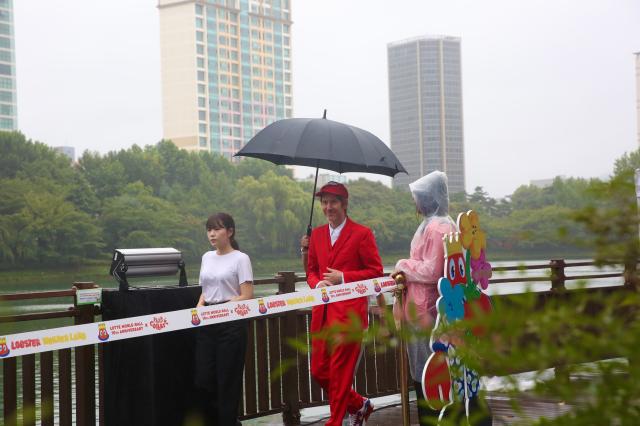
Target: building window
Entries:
(202, 127)
(6, 83)
(6, 109)
(198, 9)
(199, 23)
(200, 75)
(6, 123)
(202, 89)
(200, 62)
(5, 42)
(202, 103)
(202, 115)
(200, 49)
(203, 141)
(6, 96)
(5, 69)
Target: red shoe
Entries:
(360, 417)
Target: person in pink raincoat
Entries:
(422, 270)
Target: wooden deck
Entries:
(532, 408)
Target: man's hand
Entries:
(334, 276)
(304, 242)
(323, 283)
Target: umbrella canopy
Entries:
(325, 144)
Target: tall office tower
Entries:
(8, 103)
(638, 93)
(226, 70)
(425, 108)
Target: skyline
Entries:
(554, 86)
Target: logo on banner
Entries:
(103, 335)
(262, 308)
(4, 349)
(361, 288)
(388, 283)
(376, 286)
(276, 304)
(195, 319)
(25, 343)
(159, 323)
(325, 296)
(242, 309)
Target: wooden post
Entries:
(404, 379)
(291, 398)
(557, 275)
(85, 365)
(631, 273)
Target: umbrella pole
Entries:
(313, 200)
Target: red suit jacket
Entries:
(355, 254)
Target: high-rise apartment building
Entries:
(226, 70)
(8, 104)
(425, 108)
(638, 94)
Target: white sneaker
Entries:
(360, 417)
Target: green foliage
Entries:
(162, 195)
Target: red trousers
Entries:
(334, 370)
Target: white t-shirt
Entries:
(221, 275)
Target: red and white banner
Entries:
(126, 328)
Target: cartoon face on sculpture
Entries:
(455, 266)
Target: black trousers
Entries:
(479, 412)
(220, 353)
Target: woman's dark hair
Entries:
(224, 220)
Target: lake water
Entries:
(40, 283)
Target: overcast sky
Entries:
(548, 86)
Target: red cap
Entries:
(334, 188)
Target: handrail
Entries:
(70, 313)
(37, 295)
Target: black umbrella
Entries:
(325, 144)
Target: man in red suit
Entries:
(339, 252)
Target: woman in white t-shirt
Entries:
(225, 275)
